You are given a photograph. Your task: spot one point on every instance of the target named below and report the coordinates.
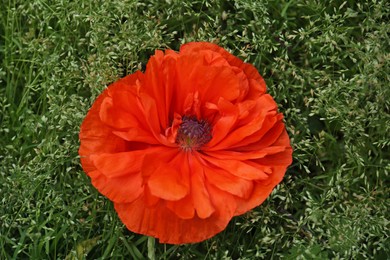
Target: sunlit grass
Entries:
(327, 66)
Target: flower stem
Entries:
(151, 248)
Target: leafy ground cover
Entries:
(327, 64)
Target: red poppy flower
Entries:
(187, 145)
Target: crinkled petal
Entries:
(154, 85)
(118, 176)
(261, 191)
(249, 133)
(225, 122)
(200, 195)
(183, 208)
(116, 118)
(150, 110)
(282, 158)
(121, 189)
(164, 224)
(228, 182)
(241, 169)
(166, 177)
(212, 82)
(253, 130)
(96, 136)
(118, 164)
(247, 155)
(136, 135)
(257, 83)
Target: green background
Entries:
(326, 63)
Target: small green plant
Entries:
(326, 64)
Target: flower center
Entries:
(193, 134)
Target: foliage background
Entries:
(327, 63)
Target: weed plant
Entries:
(326, 63)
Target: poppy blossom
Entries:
(185, 146)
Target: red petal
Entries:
(154, 85)
(247, 155)
(150, 200)
(245, 170)
(118, 164)
(218, 82)
(261, 191)
(106, 142)
(271, 124)
(161, 222)
(121, 189)
(137, 135)
(244, 108)
(119, 108)
(225, 181)
(118, 176)
(168, 178)
(212, 82)
(251, 125)
(185, 82)
(169, 71)
(97, 137)
(224, 124)
(256, 86)
(284, 158)
(243, 137)
(150, 110)
(183, 208)
(200, 195)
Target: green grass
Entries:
(326, 64)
